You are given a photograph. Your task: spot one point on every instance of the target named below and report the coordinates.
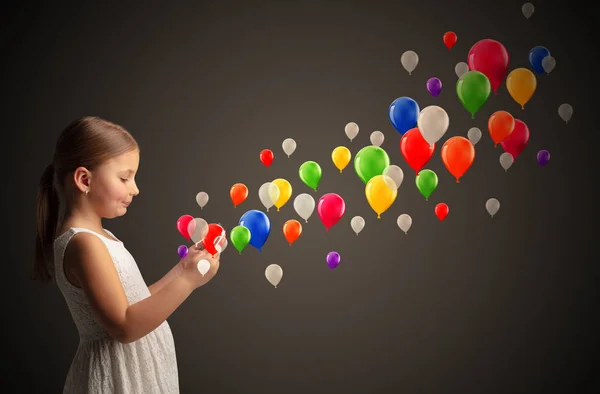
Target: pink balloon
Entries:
(517, 140)
(331, 208)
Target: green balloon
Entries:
(427, 182)
(370, 161)
(240, 237)
(310, 173)
(473, 90)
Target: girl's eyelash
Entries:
(124, 180)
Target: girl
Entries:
(126, 345)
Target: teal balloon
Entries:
(473, 90)
(310, 173)
(370, 161)
(427, 182)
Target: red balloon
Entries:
(441, 211)
(331, 208)
(266, 157)
(415, 149)
(450, 39)
(214, 237)
(490, 58)
(182, 225)
(458, 154)
(517, 140)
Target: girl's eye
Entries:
(124, 180)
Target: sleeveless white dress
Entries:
(101, 363)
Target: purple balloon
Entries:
(333, 259)
(434, 86)
(543, 157)
(182, 251)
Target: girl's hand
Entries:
(190, 265)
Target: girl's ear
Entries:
(81, 178)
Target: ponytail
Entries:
(47, 221)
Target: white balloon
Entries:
(461, 69)
(395, 173)
(203, 266)
(289, 146)
(304, 204)
(565, 111)
(527, 10)
(351, 130)
(409, 61)
(404, 222)
(377, 138)
(274, 273)
(268, 193)
(197, 229)
(474, 135)
(221, 243)
(492, 205)
(548, 64)
(433, 122)
(357, 223)
(506, 160)
(202, 199)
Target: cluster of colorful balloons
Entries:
(212, 236)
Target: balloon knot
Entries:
(457, 181)
(277, 209)
(378, 216)
(340, 171)
(522, 107)
(472, 116)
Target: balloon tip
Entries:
(522, 107)
(340, 171)
(457, 181)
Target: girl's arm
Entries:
(172, 274)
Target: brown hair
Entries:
(86, 142)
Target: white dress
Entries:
(102, 364)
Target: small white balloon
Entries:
(565, 111)
(492, 205)
(304, 204)
(351, 130)
(409, 61)
(548, 64)
(377, 138)
(357, 223)
(274, 273)
(461, 69)
(474, 135)
(289, 146)
(203, 266)
(395, 173)
(433, 122)
(506, 160)
(202, 199)
(404, 222)
(527, 10)
(197, 228)
(268, 193)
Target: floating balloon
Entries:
(288, 146)
(351, 130)
(274, 273)
(500, 125)
(473, 90)
(461, 69)
(396, 174)
(268, 193)
(333, 259)
(377, 138)
(310, 173)
(521, 84)
(259, 225)
(341, 157)
(409, 61)
(548, 64)
(404, 221)
(292, 230)
(381, 193)
(433, 123)
(506, 160)
(266, 157)
(304, 204)
(182, 251)
(415, 149)
(543, 157)
(426, 182)
(536, 55)
(357, 223)
(197, 229)
(492, 206)
(527, 10)
(213, 237)
(450, 39)
(285, 192)
(517, 140)
(203, 266)
(403, 114)
(238, 194)
(491, 58)
(331, 207)
(458, 154)
(202, 199)
(441, 211)
(370, 161)
(240, 237)
(434, 86)
(565, 111)
(182, 225)
(474, 135)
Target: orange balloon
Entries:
(458, 153)
(500, 124)
(238, 193)
(292, 230)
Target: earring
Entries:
(86, 192)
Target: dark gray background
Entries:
(471, 304)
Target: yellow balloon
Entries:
(341, 157)
(285, 192)
(381, 193)
(521, 84)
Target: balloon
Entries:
(404, 113)
(202, 199)
(536, 55)
(240, 237)
(449, 39)
(381, 193)
(341, 157)
(473, 90)
(492, 206)
(433, 123)
(409, 61)
(238, 194)
(500, 125)
(197, 229)
(274, 273)
(182, 251)
(288, 146)
(259, 225)
(285, 192)
(357, 223)
(434, 86)
(426, 182)
(543, 157)
(458, 154)
(548, 64)
(377, 138)
(310, 173)
(304, 204)
(517, 140)
(331, 207)
(506, 160)
(266, 157)
(527, 10)
(404, 221)
(396, 175)
(415, 149)
(213, 236)
(203, 266)
(333, 259)
(292, 230)
(474, 135)
(182, 225)
(491, 58)
(565, 111)
(441, 211)
(370, 161)
(268, 193)
(521, 84)
(351, 130)
(461, 69)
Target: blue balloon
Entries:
(404, 113)
(536, 55)
(259, 225)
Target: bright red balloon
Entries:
(238, 194)
(517, 140)
(214, 236)
(490, 58)
(415, 149)
(182, 225)
(441, 211)
(450, 39)
(266, 157)
(458, 154)
(331, 207)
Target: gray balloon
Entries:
(565, 111)
(492, 205)
(548, 64)
(528, 10)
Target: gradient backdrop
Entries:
(470, 304)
